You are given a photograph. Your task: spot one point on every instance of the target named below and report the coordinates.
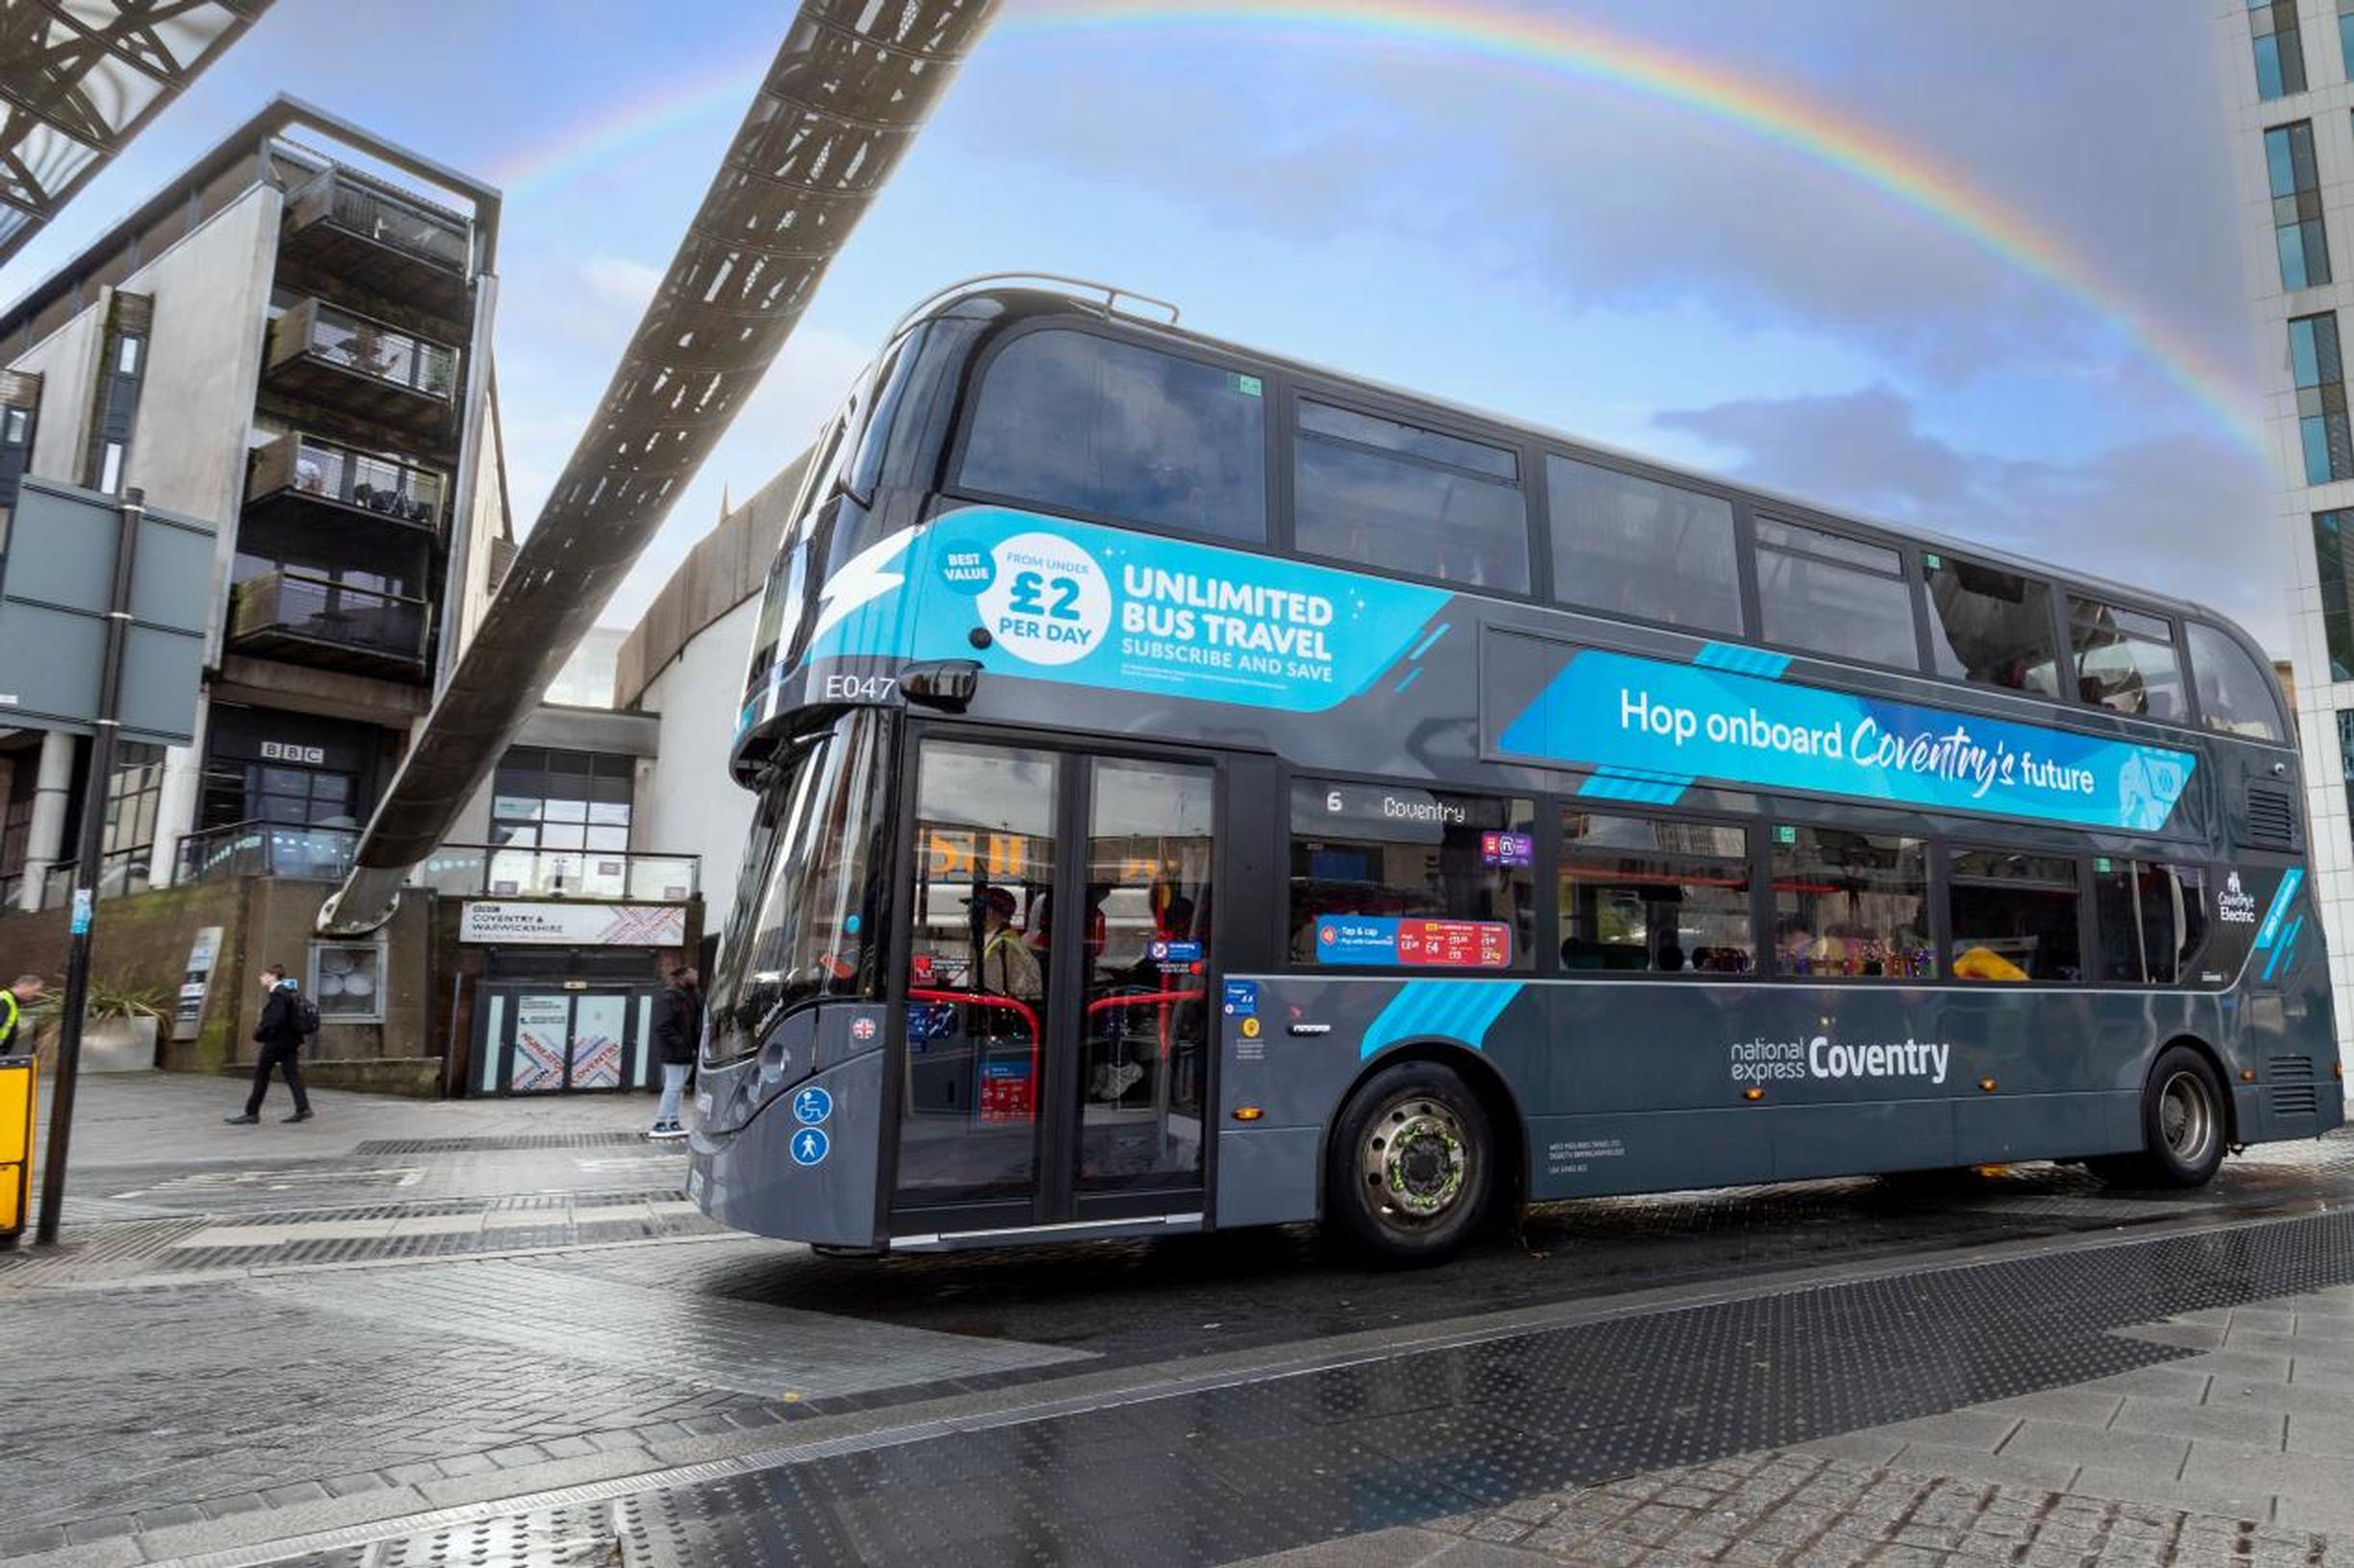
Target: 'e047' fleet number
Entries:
(860, 688)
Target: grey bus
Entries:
(1200, 789)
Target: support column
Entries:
(183, 777)
(52, 792)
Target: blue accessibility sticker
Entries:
(809, 1147)
(813, 1105)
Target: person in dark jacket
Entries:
(679, 1033)
(279, 1035)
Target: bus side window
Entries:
(1850, 905)
(2013, 916)
(1662, 895)
(1834, 595)
(1990, 628)
(2235, 695)
(1625, 545)
(1394, 496)
(2151, 918)
(1386, 876)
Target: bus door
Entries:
(1058, 971)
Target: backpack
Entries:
(306, 1016)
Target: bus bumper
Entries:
(802, 1167)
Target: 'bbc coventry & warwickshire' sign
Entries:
(1669, 725)
(572, 924)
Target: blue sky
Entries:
(1617, 267)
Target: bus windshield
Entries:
(801, 925)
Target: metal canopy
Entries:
(80, 78)
(849, 89)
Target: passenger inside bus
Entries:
(1008, 966)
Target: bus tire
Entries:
(2185, 1123)
(1412, 1166)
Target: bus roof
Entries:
(1038, 296)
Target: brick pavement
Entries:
(2240, 1455)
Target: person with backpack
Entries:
(287, 1018)
(678, 1032)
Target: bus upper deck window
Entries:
(2126, 660)
(1988, 626)
(2235, 695)
(1396, 496)
(1072, 420)
(1629, 546)
(1834, 595)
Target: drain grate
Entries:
(516, 1143)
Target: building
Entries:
(684, 663)
(2288, 73)
(291, 340)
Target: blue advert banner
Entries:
(1675, 723)
(1085, 606)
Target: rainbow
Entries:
(1554, 49)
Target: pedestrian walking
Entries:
(14, 1039)
(678, 1032)
(287, 1019)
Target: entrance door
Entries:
(1056, 1066)
(548, 1041)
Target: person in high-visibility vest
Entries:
(25, 993)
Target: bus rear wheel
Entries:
(1411, 1165)
(2184, 1126)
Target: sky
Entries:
(1969, 264)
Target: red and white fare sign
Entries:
(1456, 944)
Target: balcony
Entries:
(332, 357)
(301, 479)
(341, 226)
(492, 871)
(256, 848)
(304, 619)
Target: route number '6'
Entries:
(1027, 599)
(1332, 802)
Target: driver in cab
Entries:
(1008, 966)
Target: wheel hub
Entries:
(2185, 1120)
(1416, 1161)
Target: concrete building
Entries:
(2288, 74)
(683, 663)
(290, 340)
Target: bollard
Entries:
(19, 1079)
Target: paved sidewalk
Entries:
(2240, 1454)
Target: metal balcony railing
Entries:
(255, 849)
(329, 334)
(416, 231)
(305, 465)
(293, 605)
(494, 871)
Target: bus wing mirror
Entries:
(946, 684)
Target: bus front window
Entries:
(803, 924)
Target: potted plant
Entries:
(119, 1022)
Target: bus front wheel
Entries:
(1411, 1166)
(2184, 1125)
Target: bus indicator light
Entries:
(1986, 1086)
(1248, 1113)
(1754, 1091)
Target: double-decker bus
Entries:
(1201, 789)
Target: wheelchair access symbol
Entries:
(813, 1105)
(809, 1147)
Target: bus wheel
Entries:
(2183, 1126)
(1412, 1164)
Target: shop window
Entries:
(1850, 905)
(2013, 916)
(347, 981)
(1658, 894)
(1388, 874)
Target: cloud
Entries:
(619, 282)
(2148, 514)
